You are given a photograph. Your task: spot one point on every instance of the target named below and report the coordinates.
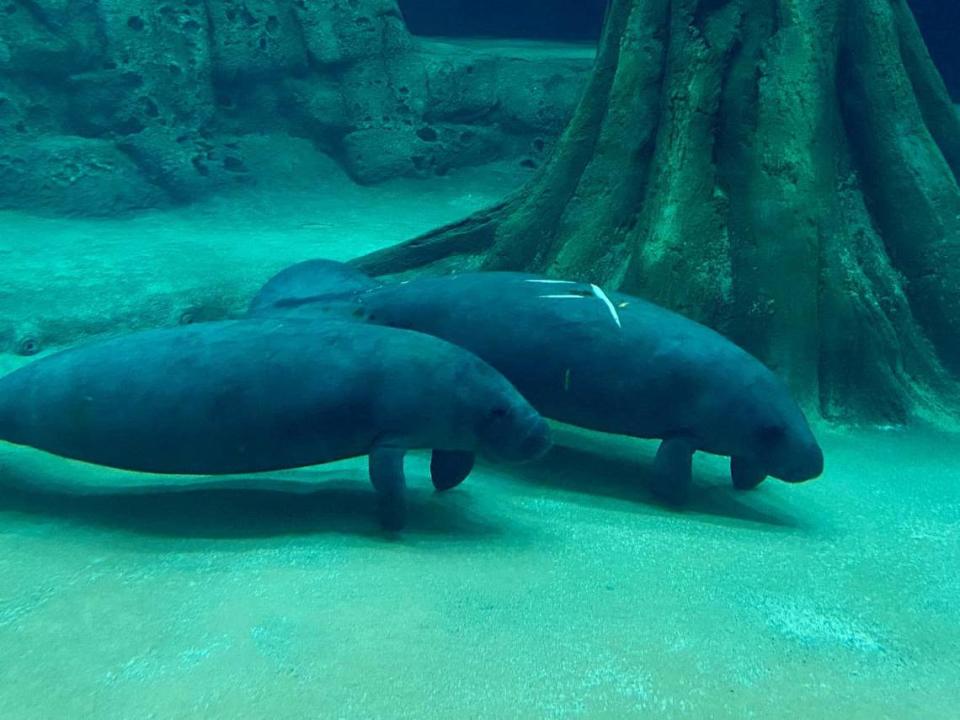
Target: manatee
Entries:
(320, 279)
(605, 361)
(248, 396)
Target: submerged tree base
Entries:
(785, 171)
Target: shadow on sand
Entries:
(591, 474)
(235, 514)
(583, 469)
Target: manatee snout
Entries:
(514, 434)
(536, 442)
(792, 454)
(805, 464)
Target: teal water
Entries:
(555, 590)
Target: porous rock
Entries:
(68, 175)
(255, 38)
(51, 38)
(174, 88)
(339, 33)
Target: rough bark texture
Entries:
(785, 171)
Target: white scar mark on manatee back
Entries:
(606, 301)
(597, 293)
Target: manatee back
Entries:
(307, 287)
(240, 396)
(557, 342)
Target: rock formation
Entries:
(109, 105)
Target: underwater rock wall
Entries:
(112, 105)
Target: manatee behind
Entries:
(309, 282)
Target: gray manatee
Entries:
(609, 362)
(267, 394)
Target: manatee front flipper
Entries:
(673, 470)
(386, 474)
(746, 474)
(449, 468)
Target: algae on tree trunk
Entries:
(785, 171)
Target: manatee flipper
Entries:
(673, 469)
(386, 474)
(746, 474)
(449, 468)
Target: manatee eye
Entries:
(771, 434)
(498, 413)
(28, 346)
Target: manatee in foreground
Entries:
(269, 394)
(608, 362)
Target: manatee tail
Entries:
(313, 282)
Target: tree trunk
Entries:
(785, 171)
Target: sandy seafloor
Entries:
(556, 590)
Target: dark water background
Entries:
(547, 19)
(581, 20)
(939, 22)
